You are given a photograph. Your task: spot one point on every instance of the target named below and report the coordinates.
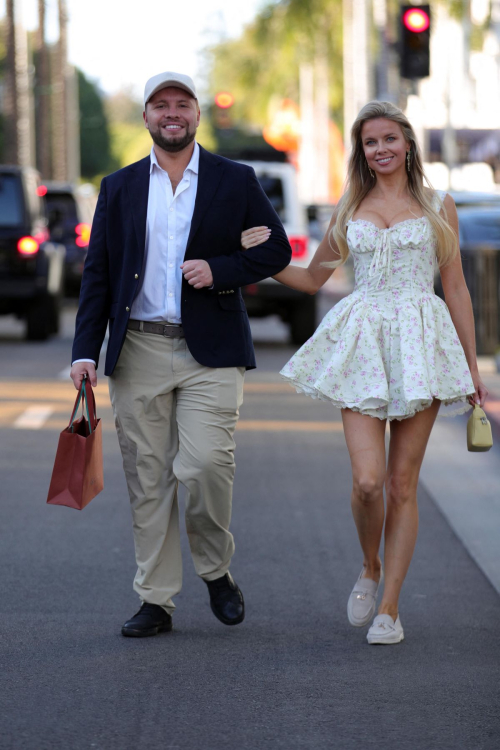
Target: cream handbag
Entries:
(479, 436)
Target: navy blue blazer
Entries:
(229, 199)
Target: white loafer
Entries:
(385, 630)
(363, 600)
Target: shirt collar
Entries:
(193, 165)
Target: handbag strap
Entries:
(90, 404)
(86, 395)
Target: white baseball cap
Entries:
(162, 80)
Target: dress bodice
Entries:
(394, 262)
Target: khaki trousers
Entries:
(175, 421)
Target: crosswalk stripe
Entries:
(64, 374)
(33, 418)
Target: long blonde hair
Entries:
(359, 183)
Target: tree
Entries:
(95, 146)
(263, 64)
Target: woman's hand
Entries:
(254, 236)
(481, 393)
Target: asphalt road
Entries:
(294, 674)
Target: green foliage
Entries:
(477, 35)
(95, 146)
(129, 142)
(262, 66)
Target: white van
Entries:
(269, 297)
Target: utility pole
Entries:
(19, 148)
(43, 110)
(306, 148)
(11, 99)
(382, 67)
(357, 87)
(59, 97)
(25, 133)
(322, 121)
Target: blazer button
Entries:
(127, 309)
(136, 276)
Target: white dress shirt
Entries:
(167, 230)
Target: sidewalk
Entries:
(491, 379)
(465, 486)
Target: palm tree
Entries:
(11, 112)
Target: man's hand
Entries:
(197, 273)
(80, 369)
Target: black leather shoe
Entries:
(226, 600)
(149, 620)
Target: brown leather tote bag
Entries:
(77, 476)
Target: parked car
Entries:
(269, 297)
(479, 237)
(465, 199)
(31, 266)
(70, 220)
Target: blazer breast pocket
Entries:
(231, 301)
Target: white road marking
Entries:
(64, 374)
(33, 418)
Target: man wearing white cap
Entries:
(165, 269)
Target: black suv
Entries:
(68, 225)
(31, 267)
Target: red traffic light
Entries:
(416, 20)
(41, 190)
(224, 100)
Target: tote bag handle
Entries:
(86, 395)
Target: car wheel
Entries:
(302, 321)
(42, 319)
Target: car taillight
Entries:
(28, 246)
(42, 235)
(82, 232)
(299, 246)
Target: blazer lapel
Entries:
(138, 188)
(211, 169)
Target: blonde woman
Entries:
(391, 350)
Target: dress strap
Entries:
(437, 200)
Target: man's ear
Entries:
(145, 118)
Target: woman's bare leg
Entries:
(365, 438)
(406, 452)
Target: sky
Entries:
(121, 43)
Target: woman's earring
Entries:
(372, 174)
(408, 160)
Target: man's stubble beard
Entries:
(172, 147)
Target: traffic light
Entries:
(222, 113)
(415, 32)
(224, 99)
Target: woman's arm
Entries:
(308, 279)
(459, 304)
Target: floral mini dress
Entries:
(389, 348)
